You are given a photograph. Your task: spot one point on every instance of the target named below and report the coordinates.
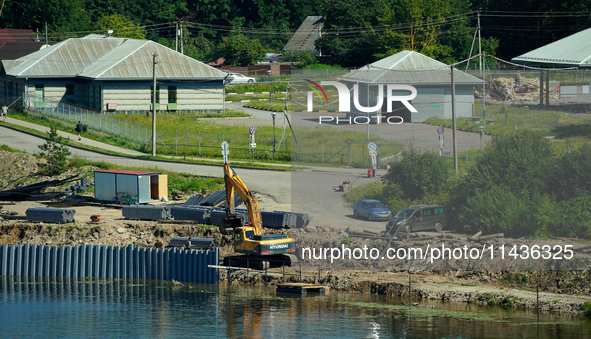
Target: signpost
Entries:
(373, 153)
(253, 144)
(225, 151)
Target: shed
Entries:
(431, 78)
(142, 185)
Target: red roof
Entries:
(14, 35)
(127, 172)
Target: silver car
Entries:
(240, 79)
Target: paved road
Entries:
(314, 190)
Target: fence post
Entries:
(348, 153)
(199, 143)
(466, 157)
(176, 142)
(322, 150)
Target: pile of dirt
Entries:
(504, 89)
(22, 169)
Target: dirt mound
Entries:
(22, 169)
(504, 89)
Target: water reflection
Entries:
(75, 308)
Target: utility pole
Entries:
(46, 39)
(182, 50)
(453, 118)
(176, 37)
(479, 46)
(154, 90)
(484, 98)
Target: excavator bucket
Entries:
(228, 224)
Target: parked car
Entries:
(240, 79)
(372, 210)
(419, 218)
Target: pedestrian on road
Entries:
(388, 167)
(79, 130)
(159, 244)
(189, 246)
(4, 111)
(517, 79)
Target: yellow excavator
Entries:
(260, 250)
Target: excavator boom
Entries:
(235, 184)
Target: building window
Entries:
(157, 94)
(70, 93)
(172, 94)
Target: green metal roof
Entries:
(572, 51)
(411, 68)
(109, 58)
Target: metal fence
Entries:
(172, 142)
(109, 262)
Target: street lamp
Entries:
(481, 128)
(273, 114)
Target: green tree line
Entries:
(356, 32)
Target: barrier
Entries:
(96, 261)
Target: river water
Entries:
(76, 308)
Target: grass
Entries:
(258, 87)
(277, 105)
(255, 97)
(10, 149)
(507, 119)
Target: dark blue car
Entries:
(371, 210)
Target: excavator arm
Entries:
(235, 184)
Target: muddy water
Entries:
(41, 308)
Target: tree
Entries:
(55, 150)
(239, 50)
(417, 175)
(122, 27)
(347, 31)
(519, 162)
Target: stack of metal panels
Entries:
(193, 201)
(216, 198)
(217, 216)
(200, 215)
(50, 215)
(196, 243)
(213, 199)
(144, 212)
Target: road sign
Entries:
(440, 130)
(373, 153)
(372, 146)
(253, 144)
(225, 150)
(252, 130)
(158, 136)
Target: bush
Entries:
(575, 218)
(572, 178)
(498, 210)
(520, 162)
(416, 175)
